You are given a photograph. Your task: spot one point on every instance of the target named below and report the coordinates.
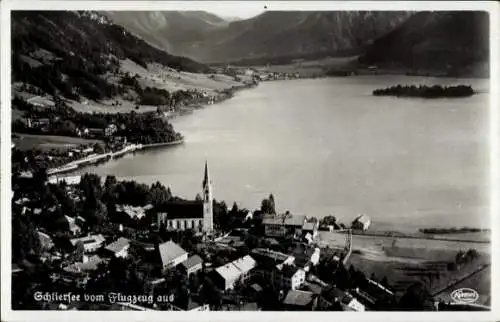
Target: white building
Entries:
(183, 215)
(119, 248)
(192, 265)
(90, 243)
(171, 254)
(239, 270)
(131, 211)
(362, 222)
(73, 227)
(282, 225)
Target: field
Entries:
(48, 142)
(309, 68)
(407, 260)
(480, 282)
(166, 78)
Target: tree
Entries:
(234, 209)
(77, 255)
(198, 197)
(110, 182)
(268, 205)
(416, 298)
(25, 240)
(385, 282)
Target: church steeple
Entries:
(206, 177)
(208, 222)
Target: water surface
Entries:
(327, 146)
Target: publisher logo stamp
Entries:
(464, 295)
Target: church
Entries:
(187, 214)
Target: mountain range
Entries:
(207, 38)
(456, 42)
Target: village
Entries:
(96, 237)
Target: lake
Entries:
(327, 146)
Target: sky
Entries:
(245, 11)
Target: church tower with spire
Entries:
(208, 214)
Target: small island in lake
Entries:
(424, 91)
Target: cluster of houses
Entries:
(108, 131)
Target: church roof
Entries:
(206, 178)
(181, 209)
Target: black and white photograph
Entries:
(247, 157)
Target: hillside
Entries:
(165, 29)
(454, 42)
(271, 34)
(71, 53)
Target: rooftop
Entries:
(284, 219)
(181, 209)
(233, 270)
(170, 251)
(88, 239)
(269, 254)
(289, 270)
(362, 219)
(298, 298)
(131, 211)
(91, 264)
(192, 261)
(118, 245)
(309, 226)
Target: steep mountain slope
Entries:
(164, 28)
(451, 41)
(69, 53)
(271, 34)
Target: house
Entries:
(270, 258)
(70, 277)
(255, 290)
(226, 277)
(296, 300)
(22, 201)
(192, 265)
(306, 257)
(171, 254)
(131, 211)
(362, 222)
(283, 225)
(119, 248)
(150, 285)
(96, 132)
(291, 277)
(40, 123)
(80, 221)
(45, 241)
(310, 228)
(90, 243)
(85, 266)
(278, 269)
(40, 101)
(73, 227)
(335, 296)
(87, 150)
(110, 130)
